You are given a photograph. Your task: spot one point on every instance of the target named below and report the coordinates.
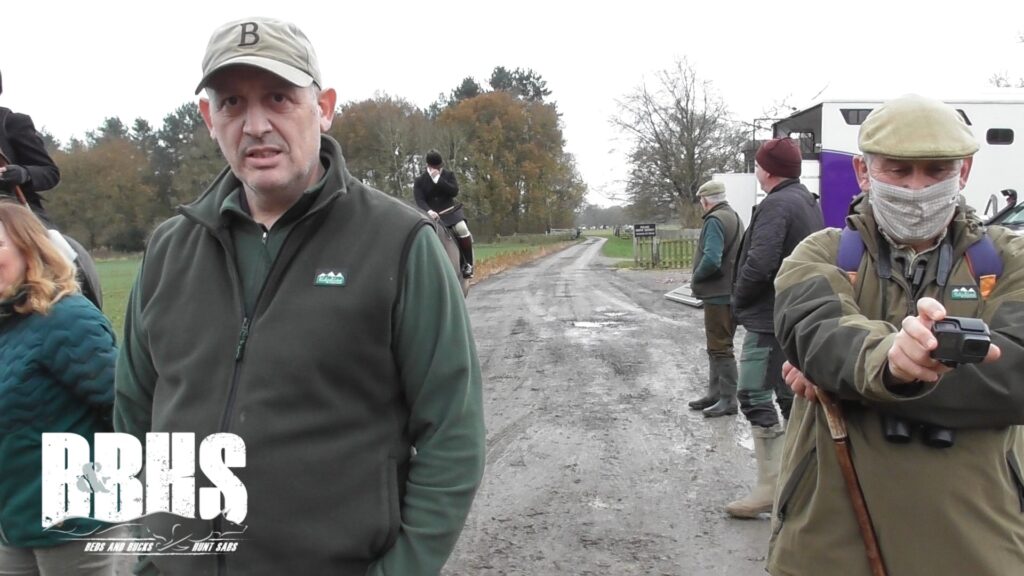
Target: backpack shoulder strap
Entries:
(851, 250)
(985, 265)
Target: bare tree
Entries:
(1002, 79)
(681, 134)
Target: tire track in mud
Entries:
(594, 465)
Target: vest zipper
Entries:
(243, 337)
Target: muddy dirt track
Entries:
(595, 465)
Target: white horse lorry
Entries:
(827, 133)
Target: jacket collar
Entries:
(720, 206)
(784, 183)
(7, 310)
(206, 210)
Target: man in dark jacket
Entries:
(786, 216)
(28, 164)
(435, 191)
(317, 319)
(712, 282)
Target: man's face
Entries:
(911, 174)
(12, 264)
(267, 129)
(761, 176)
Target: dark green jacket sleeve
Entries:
(135, 377)
(441, 376)
(710, 262)
(824, 333)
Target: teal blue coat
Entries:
(56, 375)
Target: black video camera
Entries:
(961, 340)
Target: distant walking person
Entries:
(435, 191)
(786, 216)
(712, 282)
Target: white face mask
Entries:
(913, 216)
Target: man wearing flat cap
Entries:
(788, 213)
(318, 320)
(854, 312)
(712, 282)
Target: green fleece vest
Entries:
(309, 381)
(720, 285)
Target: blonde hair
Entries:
(48, 274)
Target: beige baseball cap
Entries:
(273, 45)
(913, 127)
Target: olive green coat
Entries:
(958, 510)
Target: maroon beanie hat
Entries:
(780, 157)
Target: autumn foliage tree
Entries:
(104, 198)
(381, 139)
(505, 146)
(516, 175)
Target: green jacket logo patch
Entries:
(964, 293)
(329, 278)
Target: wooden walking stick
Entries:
(837, 428)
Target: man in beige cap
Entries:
(860, 327)
(712, 282)
(317, 319)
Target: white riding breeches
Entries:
(461, 230)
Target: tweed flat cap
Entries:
(710, 188)
(913, 127)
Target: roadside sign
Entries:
(644, 230)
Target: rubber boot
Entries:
(727, 377)
(768, 450)
(711, 396)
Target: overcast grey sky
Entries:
(71, 64)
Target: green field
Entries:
(618, 248)
(116, 277)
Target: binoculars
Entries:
(900, 431)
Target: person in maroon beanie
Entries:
(786, 216)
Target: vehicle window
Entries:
(855, 116)
(1015, 216)
(999, 136)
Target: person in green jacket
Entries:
(57, 356)
(866, 338)
(317, 319)
(712, 282)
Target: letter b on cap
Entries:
(249, 34)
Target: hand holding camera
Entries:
(955, 340)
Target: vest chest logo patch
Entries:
(329, 278)
(964, 293)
